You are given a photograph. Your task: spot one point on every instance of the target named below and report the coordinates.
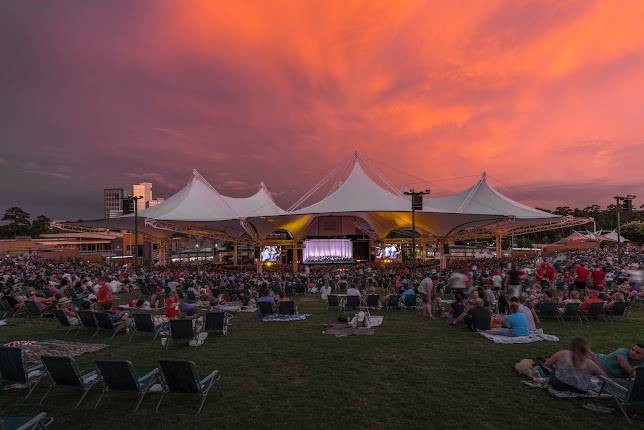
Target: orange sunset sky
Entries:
(546, 96)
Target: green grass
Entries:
(414, 373)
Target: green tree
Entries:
(633, 231)
(39, 226)
(19, 223)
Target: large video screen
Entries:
(270, 253)
(327, 251)
(388, 251)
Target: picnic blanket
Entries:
(35, 349)
(376, 321)
(536, 336)
(569, 395)
(341, 330)
(3, 323)
(234, 308)
(278, 317)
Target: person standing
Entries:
(514, 281)
(425, 289)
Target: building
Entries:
(113, 202)
(143, 189)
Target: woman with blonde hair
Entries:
(573, 367)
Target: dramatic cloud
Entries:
(546, 96)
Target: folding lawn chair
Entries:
(409, 302)
(373, 301)
(143, 322)
(629, 394)
(181, 330)
(594, 312)
(120, 375)
(104, 322)
(547, 310)
(265, 308)
(64, 372)
(13, 369)
(88, 320)
(7, 310)
(40, 421)
(394, 302)
(35, 311)
(287, 308)
(65, 323)
(332, 301)
(216, 322)
(570, 311)
(179, 376)
(352, 303)
(618, 310)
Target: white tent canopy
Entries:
(483, 199)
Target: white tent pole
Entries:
(317, 186)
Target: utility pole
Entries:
(621, 202)
(416, 205)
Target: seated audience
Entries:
(620, 363)
(573, 367)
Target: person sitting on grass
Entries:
(573, 367)
(478, 317)
(516, 323)
(530, 314)
(621, 362)
(456, 308)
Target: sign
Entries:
(417, 202)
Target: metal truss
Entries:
(77, 228)
(509, 227)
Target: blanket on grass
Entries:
(376, 321)
(35, 349)
(341, 330)
(3, 323)
(278, 317)
(569, 395)
(233, 308)
(536, 336)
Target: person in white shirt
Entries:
(425, 289)
(325, 290)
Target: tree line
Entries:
(18, 222)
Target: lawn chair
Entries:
(300, 289)
(548, 310)
(66, 324)
(409, 302)
(7, 310)
(104, 322)
(181, 330)
(265, 308)
(119, 375)
(629, 394)
(373, 301)
(352, 303)
(145, 323)
(191, 296)
(88, 320)
(216, 322)
(179, 376)
(394, 302)
(332, 301)
(40, 421)
(35, 311)
(287, 308)
(14, 371)
(570, 312)
(64, 372)
(618, 310)
(593, 312)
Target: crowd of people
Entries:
(481, 294)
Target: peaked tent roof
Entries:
(358, 193)
(612, 236)
(197, 201)
(482, 198)
(259, 204)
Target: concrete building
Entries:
(143, 189)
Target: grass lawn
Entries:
(414, 373)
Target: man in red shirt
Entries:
(104, 293)
(592, 298)
(581, 276)
(598, 277)
(171, 304)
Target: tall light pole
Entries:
(416, 205)
(619, 202)
(134, 200)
